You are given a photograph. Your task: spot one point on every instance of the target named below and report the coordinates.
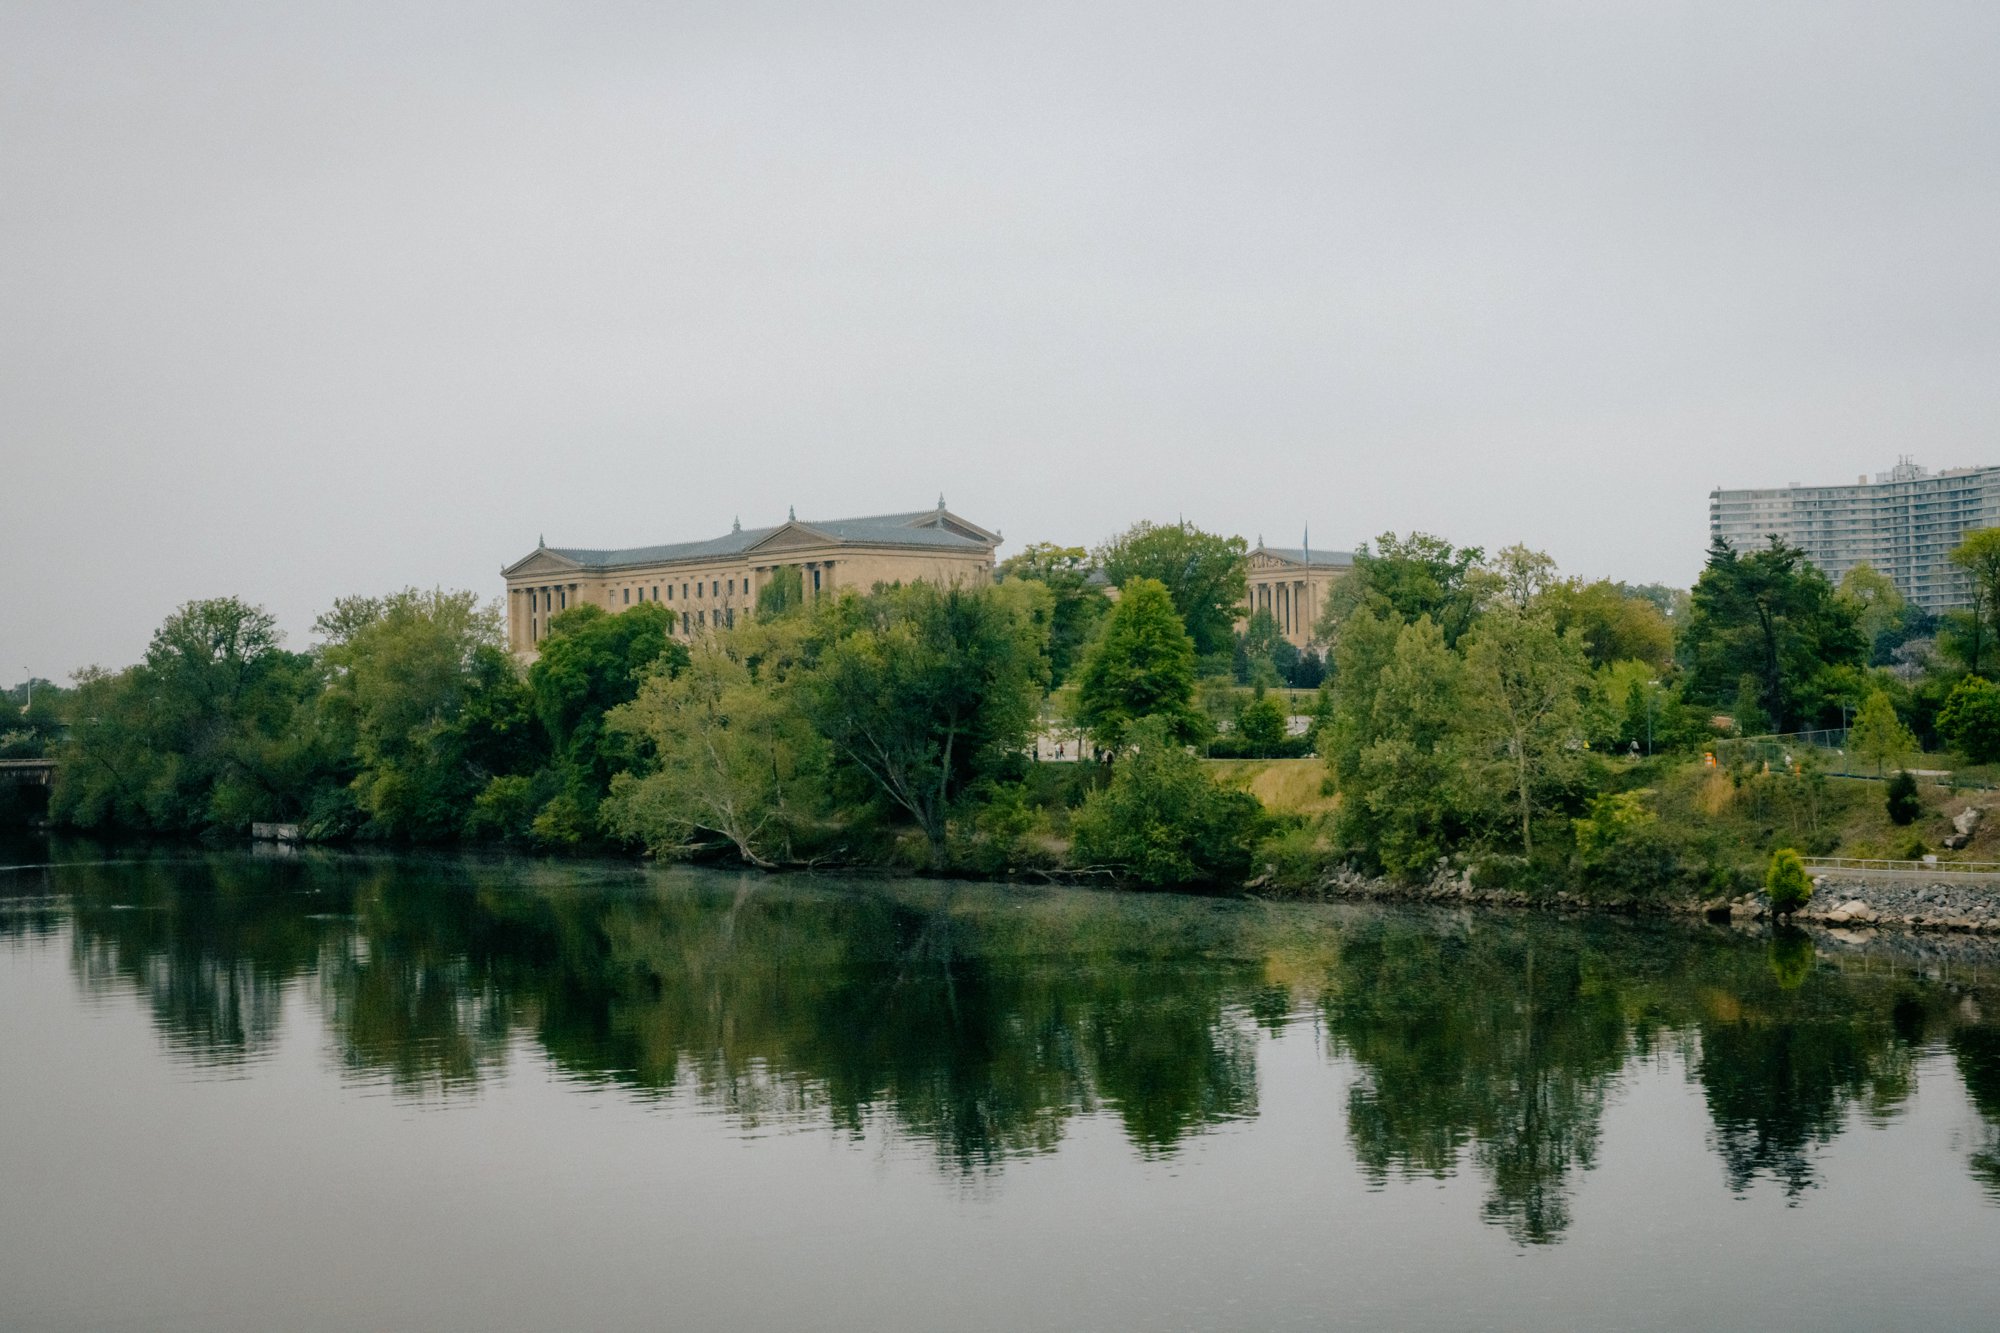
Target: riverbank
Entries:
(1925, 904)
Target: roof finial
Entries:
(737, 525)
(1260, 541)
(940, 502)
(541, 542)
(792, 513)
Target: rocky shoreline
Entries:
(1851, 902)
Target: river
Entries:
(332, 1091)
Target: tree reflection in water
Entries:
(981, 1020)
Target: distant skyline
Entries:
(309, 300)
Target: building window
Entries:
(699, 591)
(815, 580)
(670, 592)
(732, 617)
(562, 597)
(656, 592)
(628, 597)
(701, 617)
(684, 592)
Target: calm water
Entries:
(356, 1093)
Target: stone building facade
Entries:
(711, 584)
(1292, 583)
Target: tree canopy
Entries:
(1771, 616)
(1206, 575)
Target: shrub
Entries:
(1261, 724)
(1904, 803)
(1162, 821)
(1787, 883)
(1295, 859)
(1908, 848)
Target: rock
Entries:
(1955, 841)
(1967, 820)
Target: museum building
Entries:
(709, 584)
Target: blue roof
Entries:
(921, 528)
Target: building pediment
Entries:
(793, 536)
(542, 562)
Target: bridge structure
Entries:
(31, 772)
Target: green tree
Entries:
(1410, 578)
(1905, 804)
(783, 593)
(591, 662)
(1615, 624)
(198, 735)
(732, 757)
(923, 691)
(1769, 614)
(1162, 821)
(1398, 751)
(1979, 556)
(1142, 665)
(1876, 604)
(1261, 724)
(1787, 883)
(1878, 735)
(1206, 576)
(1525, 682)
(1076, 607)
(430, 702)
(1969, 722)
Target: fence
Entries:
(1931, 867)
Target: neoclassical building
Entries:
(1292, 584)
(712, 583)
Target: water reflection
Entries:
(983, 1021)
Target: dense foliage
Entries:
(1473, 714)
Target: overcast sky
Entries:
(299, 300)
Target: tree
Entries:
(1397, 751)
(731, 757)
(1616, 625)
(591, 662)
(1206, 575)
(1979, 556)
(1787, 883)
(1901, 796)
(1525, 683)
(783, 593)
(1409, 578)
(199, 734)
(415, 679)
(1162, 822)
(1143, 665)
(1771, 615)
(1261, 724)
(1076, 604)
(1524, 575)
(1970, 720)
(1878, 607)
(922, 691)
(1878, 735)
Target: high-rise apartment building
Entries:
(1904, 524)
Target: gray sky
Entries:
(309, 299)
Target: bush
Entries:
(1162, 821)
(1787, 883)
(1904, 803)
(1261, 724)
(1295, 859)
